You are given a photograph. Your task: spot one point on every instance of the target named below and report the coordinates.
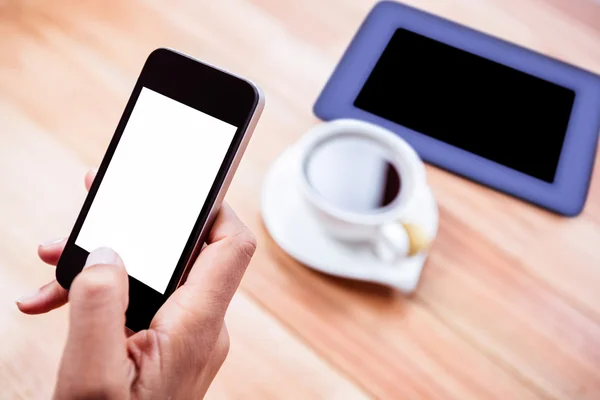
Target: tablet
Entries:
(494, 112)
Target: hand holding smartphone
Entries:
(164, 176)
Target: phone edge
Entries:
(228, 178)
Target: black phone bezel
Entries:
(204, 88)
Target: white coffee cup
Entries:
(386, 229)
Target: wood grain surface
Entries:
(509, 303)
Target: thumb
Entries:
(95, 361)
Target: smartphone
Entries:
(164, 176)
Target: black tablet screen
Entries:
(465, 100)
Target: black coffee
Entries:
(353, 173)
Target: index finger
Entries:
(216, 274)
(221, 265)
(227, 224)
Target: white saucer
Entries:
(296, 230)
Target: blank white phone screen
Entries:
(155, 186)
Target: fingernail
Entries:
(26, 297)
(102, 255)
(51, 242)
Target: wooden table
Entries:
(509, 303)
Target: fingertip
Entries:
(227, 223)
(103, 255)
(24, 302)
(103, 277)
(50, 251)
(89, 178)
(29, 308)
(47, 298)
(99, 295)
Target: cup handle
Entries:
(400, 239)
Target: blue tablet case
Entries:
(567, 192)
